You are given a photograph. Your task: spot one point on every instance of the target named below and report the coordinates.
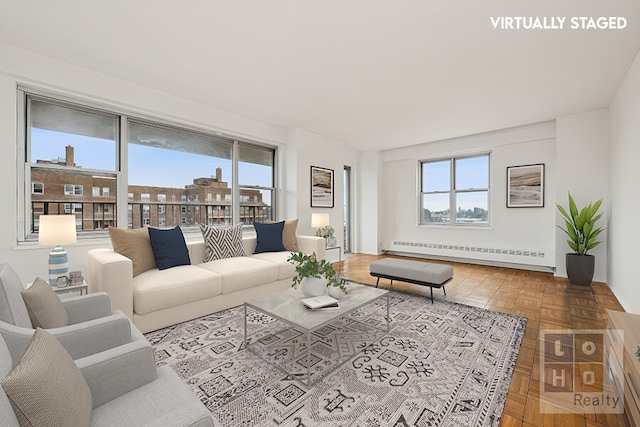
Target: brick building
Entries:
(92, 199)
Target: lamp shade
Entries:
(57, 230)
(319, 220)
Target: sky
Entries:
(472, 172)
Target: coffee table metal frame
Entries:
(329, 316)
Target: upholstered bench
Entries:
(416, 272)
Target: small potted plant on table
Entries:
(315, 275)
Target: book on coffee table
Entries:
(322, 301)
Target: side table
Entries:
(83, 288)
(339, 248)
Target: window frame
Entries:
(454, 191)
(26, 220)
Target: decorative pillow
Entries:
(269, 237)
(169, 247)
(289, 235)
(222, 242)
(44, 307)
(46, 388)
(135, 245)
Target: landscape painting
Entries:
(321, 187)
(525, 186)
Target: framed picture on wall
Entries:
(321, 187)
(525, 186)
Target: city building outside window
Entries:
(70, 145)
(456, 184)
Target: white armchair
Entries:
(126, 390)
(92, 328)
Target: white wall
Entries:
(17, 67)
(370, 218)
(519, 229)
(582, 159)
(313, 150)
(625, 204)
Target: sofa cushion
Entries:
(44, 306)
(222, 242)
(169, 247)
(12, 307)
(289, 239)
(242, 272)
(269, 237)
(41, 387)
(135, 245)
(285, 268)
(154, 289)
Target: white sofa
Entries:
(156, 299)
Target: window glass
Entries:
(468, 197)
(436, 176)
(435, 208)
(472, 172)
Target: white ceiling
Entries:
(372, 74)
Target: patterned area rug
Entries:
(441, 364)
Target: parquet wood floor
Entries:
(547, 302)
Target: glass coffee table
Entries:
(291, 346)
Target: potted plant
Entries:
(314, 275)
(580, 226)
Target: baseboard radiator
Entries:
(523, 259)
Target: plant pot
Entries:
(313, 286)
(580, 268)
(336, 292)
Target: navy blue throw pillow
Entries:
(269, 237)
(169, 247)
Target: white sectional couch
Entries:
(155, 299)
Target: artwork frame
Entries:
(525, 186)
(322, 187)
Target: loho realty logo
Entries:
(578, 374)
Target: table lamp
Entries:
(319, 220)
(57, 230)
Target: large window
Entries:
(455, 190)
(171, 175)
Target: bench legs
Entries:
(421, 284)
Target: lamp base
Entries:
(58, 264)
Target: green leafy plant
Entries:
(310, 266)
(580, 226)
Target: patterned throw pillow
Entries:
(222, 242)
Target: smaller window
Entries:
(162, 209)
(145, 197)
(73, 190)
(105, 191)
(130, 197)
(37, 188)
(162, 197)
(146, 221)
(95, 191)
(173, 197)
(183, 198)
(146, 208)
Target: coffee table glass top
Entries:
(287, 305)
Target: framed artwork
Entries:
(525, 186)
(321, 187)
